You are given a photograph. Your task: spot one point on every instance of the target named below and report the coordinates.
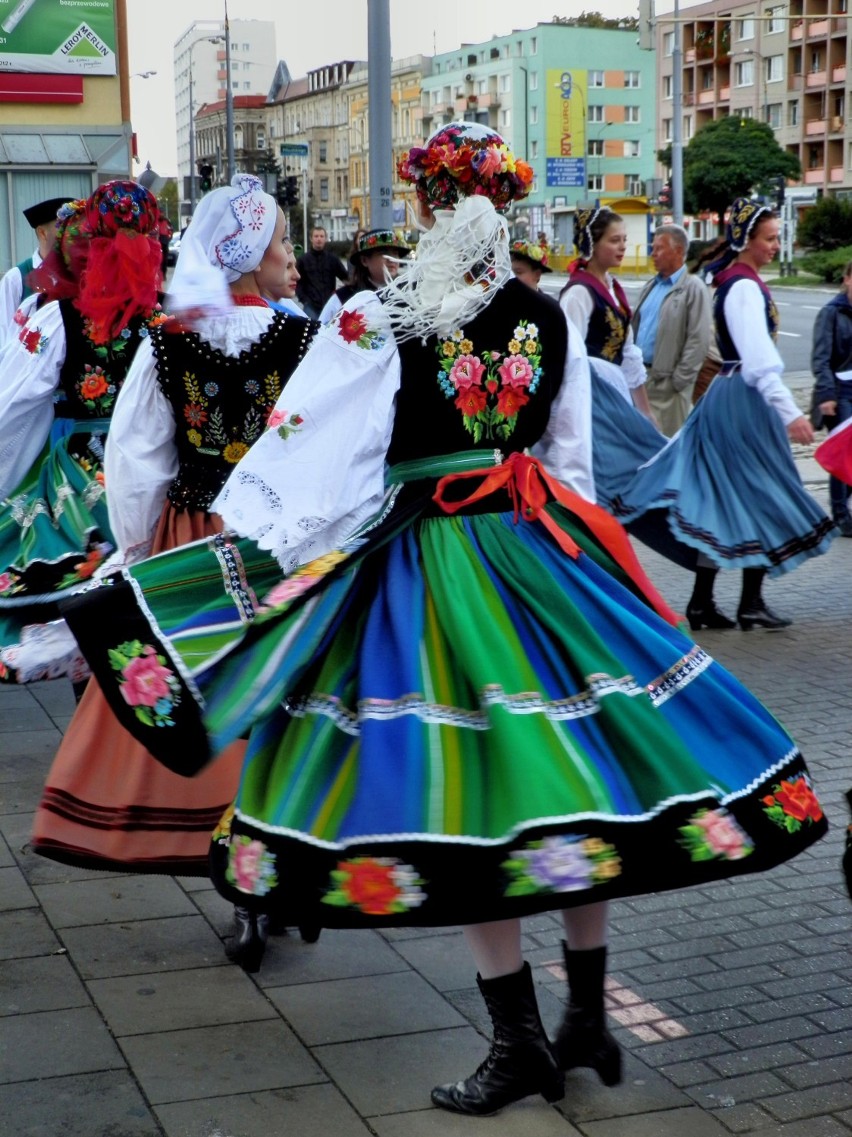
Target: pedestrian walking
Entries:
(319, 269)
(673, 327)
(831, 364)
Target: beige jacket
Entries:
(684, 331)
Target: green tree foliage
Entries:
(826, 225)
(827, 263)
(167, 199)
(598, 20)
(728, 158)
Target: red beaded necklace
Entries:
(250, 301)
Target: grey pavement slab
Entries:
(174, 1000)
(530, 1118)
(665, 1123)
(104, 1104)
(218, 1061)
(343, 1010)
(112, 898)
(306, 1111)
(48, 983)
(55, 1043)
(171, 944)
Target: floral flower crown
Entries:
(531, 252)
(463, 159)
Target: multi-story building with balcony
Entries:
(250, 134)
(407, 130)
(785, 64)
(577, 102)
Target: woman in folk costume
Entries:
(466, 702)
(728, 480)
(192, 405)
(59, 380)
(624, 433)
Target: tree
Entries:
(167, 199)
(826, 225)
(728, 158)
(598, 20)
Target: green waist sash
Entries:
(439, 465)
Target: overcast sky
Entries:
(312, 33)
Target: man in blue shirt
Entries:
(672, 327)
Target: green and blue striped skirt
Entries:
(452, 721)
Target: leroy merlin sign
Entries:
(65, 37)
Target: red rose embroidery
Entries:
(471, 401)
(510, 400)
(352, 326)
(798, 800)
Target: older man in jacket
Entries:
(672, 327)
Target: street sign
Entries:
(293, 149)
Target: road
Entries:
(797, 308)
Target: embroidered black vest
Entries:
(485, 386)
(221, 403)
(727, 348)
(609, 322)
(92, 374)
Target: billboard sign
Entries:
(565, 130)
(58, 37)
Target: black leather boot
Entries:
(248, 943)
(583, 1039)
(520, 1061)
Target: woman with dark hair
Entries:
(728, 480)
(466, 703)
(96, 300)
(374, 261)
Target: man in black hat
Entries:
(13, 286)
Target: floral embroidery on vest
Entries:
(207, 431)
(353, 328)
(490, 388)
(617, 330)
(95, 388)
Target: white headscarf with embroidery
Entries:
(229, 233)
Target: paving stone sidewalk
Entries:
(120, 1017)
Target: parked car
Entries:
(174, 249)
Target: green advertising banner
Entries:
(58, 37)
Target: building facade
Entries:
(200, 72)
(577, 102)
(250, 135)
(407, 126)
(313, 112)
(784, 64)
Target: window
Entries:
(533, 115)
(816, 61)
(687, 127)
(533, 80)
(632, 79)
(533, 149)
(596, 114)
(775, 23)
(534, 45)
(505, 118)
(323, 189)
(595, 78)
(261, 139)
(505, 82)
(323, 151)
(745, 28)
(246, 86)
(744, 73)
(667, 86)
(668, 43)
(773, 115)
(246, 47)
(631, 149)
(774, 68)
(747, 112)
(634, 184)
(595, 148)
(631, 114)
(667, 130)
(793, 113)
(596, 183)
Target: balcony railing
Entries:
(816, 78)
(815, 126)
(689, 55)
(725, 94)
(838, 74)
(817, 28)
(706, 97)
(797, 31)
(836, 124)
(795, 82)
(835, 174)
(815, 177)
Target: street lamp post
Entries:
(202, 39)
(229, 101)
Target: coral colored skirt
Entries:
(108, 804)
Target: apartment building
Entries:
(784, 64)
(577, 102)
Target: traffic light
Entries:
(779, 185)
(205, 170)
(290, 193)
(665, 198)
